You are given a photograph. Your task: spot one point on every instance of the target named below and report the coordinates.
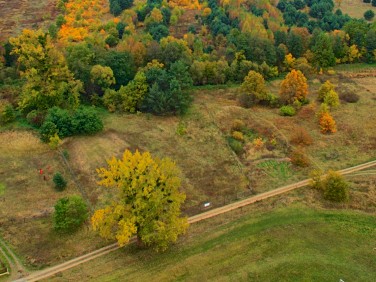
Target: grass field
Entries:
(20, 14)
(211, 171)
(286, 244)
(355, 8)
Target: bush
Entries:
(236, 145)
(367, 1)
(350, 97)
(331, 99)
(70, 213)
(8, 114)
(327, 123)
(65, 123)
(246, 101)
(60, 182)
(336, 189)
(238, 125)
(238, 135)
(301, 137)
(326, 87)
(299, 158)
(35, 118)
(287, 111)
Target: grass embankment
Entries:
(287, 244)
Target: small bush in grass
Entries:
(324, 89)
(299, 158)
(35, 118)
(301, 137)
(327, 124)
(60, 182)
(8, 114)
(238, 136)
(336, 189)
(369, 15)
(287, 111)
(316, 179)
(350, 97)
(70, 213)
(237, 125)
(236, 146)
(246, 101)
(331, 99)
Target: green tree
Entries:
(60, 182)
(254, 86)
(48, 80)
(336, 189)
(324, 89)
(133, 94)
(102, 76)
(323, 51)
(147, 203)
(70, 213)
(369, 15)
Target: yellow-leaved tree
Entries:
(147, 202)
(294, 87)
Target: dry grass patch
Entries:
(356, 8)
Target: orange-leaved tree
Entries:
(293, 87)
(327, 123)
(147, 202)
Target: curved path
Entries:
(43, 274)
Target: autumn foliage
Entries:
(327, 123)
(147, 202)
(294, 87)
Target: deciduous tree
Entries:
(147, 202)
(294, 87)
(254, 86)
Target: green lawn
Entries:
(287, 244)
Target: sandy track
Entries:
(43, 274)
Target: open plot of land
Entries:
(355, 8)
(280, 239)
(17, 15)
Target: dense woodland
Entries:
(131, 56)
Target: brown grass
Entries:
(356, 8)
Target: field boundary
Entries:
(43, 274)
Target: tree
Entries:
(254, 86)
(60, 182)
(327, 123)
(48, 80)
(323, 51)
(335, 187)
(102, 76)
(331, 99)
(369, 15)
(373, 3)
(147, 203)
(70, 213)
(293, 87)
(324, 89)
(133, 94)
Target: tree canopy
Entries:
(147, 202)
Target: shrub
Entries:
(287, 111)
(236, 145)
(8, 114)
(238, 135)
(293, 87)
(350, 97)
(60, 182)
(336, 189)
(35, 118)
(316, 179)
(258, 143)
(54, 142)
(65, 123)
(331, 99)
(299, 158)
(326, 87)
(246, 101)
(70, 213)
(327, 124)
(301, 137)
(369, 15)
(367, 1)
(237, 125)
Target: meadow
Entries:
(197, 142)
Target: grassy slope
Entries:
(355, 8)
(287, 244)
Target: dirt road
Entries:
(43, 274)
